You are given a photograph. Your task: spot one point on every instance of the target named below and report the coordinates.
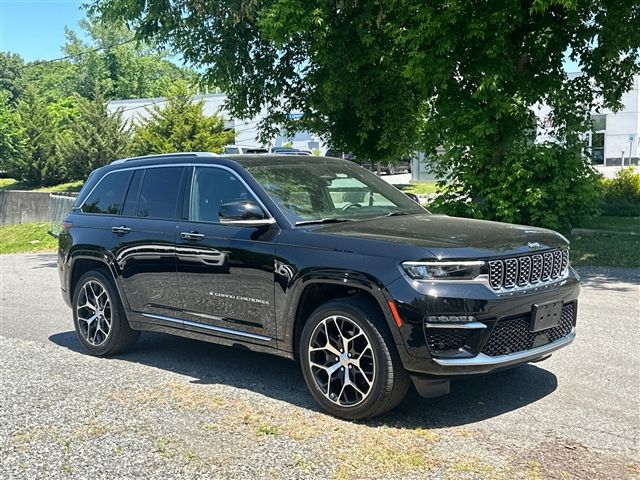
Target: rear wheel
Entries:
(98, 316)
(349, 360)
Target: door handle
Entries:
(121, 230)
(192, 236)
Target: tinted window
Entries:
(211, 188)
(131, 201)
(107, 197)
(159, 192)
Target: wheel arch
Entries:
(317, 288)
(81, 262)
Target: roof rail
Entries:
(166, 155)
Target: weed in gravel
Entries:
(212, 427)
(172, 394)
(268, 429)
(161, 444)
(474, 466)
(301, 464)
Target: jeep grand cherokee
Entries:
(315, 259)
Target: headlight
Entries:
(466, 270)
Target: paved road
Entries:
(577, 414)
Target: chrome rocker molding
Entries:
(504, 360)
(213, 328)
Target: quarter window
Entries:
(211, 188)
(107, 197)
(159, 193)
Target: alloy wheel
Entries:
(342, 361)
(94, 313)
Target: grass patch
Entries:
(268, 429)
(26, 237)
(426, 187)
(13, 184)
(605, 250)
(616, 224)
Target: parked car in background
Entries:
(401, 166)
(313, 259)
(243, 150)
(290, 151)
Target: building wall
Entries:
(622, 134)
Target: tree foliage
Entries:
(11, 135)
(96, 137)
(382, 78)
(38, 161)
(180, 125)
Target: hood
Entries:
(450, 237)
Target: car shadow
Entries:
(471, 399)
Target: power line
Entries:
(77, 55)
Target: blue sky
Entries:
(35, 28)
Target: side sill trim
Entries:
(213, 328)
(482, 359)
(468, 325)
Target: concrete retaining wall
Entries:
(24, 207)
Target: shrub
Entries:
(621, 195)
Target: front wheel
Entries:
(349, 360)
(98, 316)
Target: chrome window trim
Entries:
(187, 165)
(227, 331)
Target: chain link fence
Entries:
(60, 207)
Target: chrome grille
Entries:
(547, 265)
(525, 270)
(510, 272)
(536, 268)
(496, 270)
(528, 269)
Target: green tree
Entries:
(11, 135)
(381, 78)
(180, 125)
(11, 65)
(124, 67)
(95, 138)
(38, 162)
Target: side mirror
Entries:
(244, 213)
(413, 197)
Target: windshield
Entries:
(336, 191)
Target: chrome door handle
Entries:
(192, 235)
(121, 230)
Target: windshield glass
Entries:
(308, 192)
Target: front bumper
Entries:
(482, 363)
(499, 338)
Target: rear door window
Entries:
(160, 193)
(106, 198)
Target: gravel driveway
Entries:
(177, 408)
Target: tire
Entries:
(391, 169)
(97, 336)
(378, 366)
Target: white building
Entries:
(615, 137)
(246, 130)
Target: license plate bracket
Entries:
(546, 315)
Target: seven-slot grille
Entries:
(528, 269)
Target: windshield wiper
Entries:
(399, 212)
(323, 220)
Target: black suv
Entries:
(315, 259)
